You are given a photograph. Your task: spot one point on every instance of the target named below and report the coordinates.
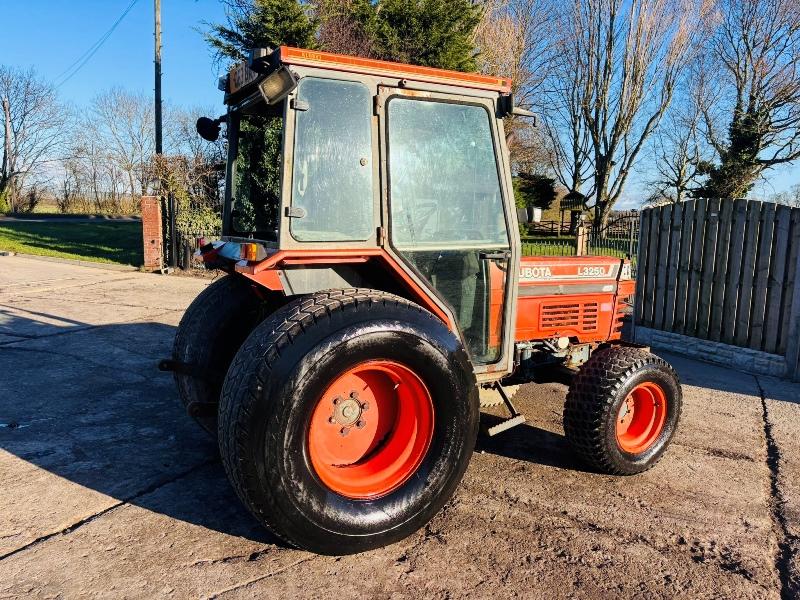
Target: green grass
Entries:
(119, 243)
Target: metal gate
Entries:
(186, 224)
(619, 237)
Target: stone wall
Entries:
(742, 359)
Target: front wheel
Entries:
(347, 420)
(622, 410)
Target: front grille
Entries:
(581, 316)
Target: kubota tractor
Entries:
(375, 297)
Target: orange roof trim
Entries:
(369, 66)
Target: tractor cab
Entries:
(401, 168)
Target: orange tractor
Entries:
(375, 298)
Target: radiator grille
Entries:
(581, 316)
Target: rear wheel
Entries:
(622, 410)
(209, 334)
(347, 420)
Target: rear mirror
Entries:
(208, 128)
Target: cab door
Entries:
(447, 210)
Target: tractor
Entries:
(374, 297)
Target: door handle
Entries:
(502, 255)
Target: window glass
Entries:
(332, 179)
(444, 182)
(257, 177)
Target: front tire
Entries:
(347, 420)
(622, 410)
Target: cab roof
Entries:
(242, 76)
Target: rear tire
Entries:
(209, 334)
(280, 380)
(622, 410)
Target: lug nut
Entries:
(365, 406)
(331, 420)
(360, 424)
(336, 400)
(344, 431)
(354, 395)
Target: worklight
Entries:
(278, 85)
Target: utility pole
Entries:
(169, 233)
(159, 148)
(8, 163)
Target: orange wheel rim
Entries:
(371, 429)
(641, 418)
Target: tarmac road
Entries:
(107, 489)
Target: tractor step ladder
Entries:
(515, 419)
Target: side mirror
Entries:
(208, 128)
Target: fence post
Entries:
(793, 346)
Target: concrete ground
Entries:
(108, 490)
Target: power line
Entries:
(84, 58)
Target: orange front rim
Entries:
(641, 418)
(371, 429)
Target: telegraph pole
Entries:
(169, 231)
(159, 145)
(8, 162)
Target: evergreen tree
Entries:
(262, 24)
(431, 33)
(534, 191)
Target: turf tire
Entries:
(209, 334)
(277, 378)
(594, 400)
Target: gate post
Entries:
(581, 241)
(152, 238)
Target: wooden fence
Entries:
(724, 271)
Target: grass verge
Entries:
(103, 242)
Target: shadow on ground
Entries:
(92, 408)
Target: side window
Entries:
(257, 177)
(332, 178)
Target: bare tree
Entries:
(630, 55)
(679, 150)
(36, 127)
(791, 197)
(756, 54)
(571, 142)
(123, 122)
(340, 30)
(514, 39)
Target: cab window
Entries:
(332, 187)
(255, 194)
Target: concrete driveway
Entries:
(108, 490)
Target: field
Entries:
(104, 242)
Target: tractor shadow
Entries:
(88, 404)
(529, 443)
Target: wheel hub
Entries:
(347, 412)
(371, 429)
(641, 418)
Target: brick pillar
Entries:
(151, 233)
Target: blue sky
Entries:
(51, 34)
